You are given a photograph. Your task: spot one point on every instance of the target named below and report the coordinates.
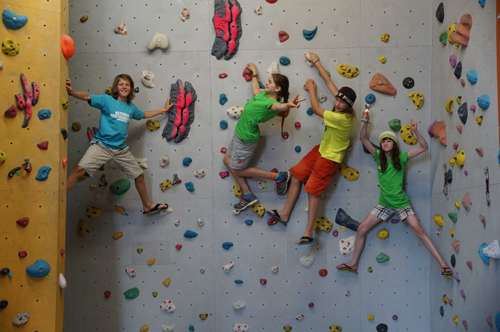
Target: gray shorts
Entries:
(385, 213)
(241, 152)
(97, 155)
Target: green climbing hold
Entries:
(453, 217)
(132, 293)
(443, 37)
(382, 258)
(120, 187)
(395, 124)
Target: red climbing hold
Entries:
(323, 272)
(223, 75)
(23, 222)
(272, 221)
(107, 294)
(20, 101)
(224, 175)
(23, 254)
(311, 305)
(271, 1)
(297, 124)
(64, 162)
(335, 233)
(283, 36)
(263, 281)
(285, 135)
(274, 170)
(11, 112)
(43, 145)
(62, 252)
(36, 93)
(178, 247)
(247, 74)
(223, 150)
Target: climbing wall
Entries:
(21, 196)
(479, 284)
(348, 32)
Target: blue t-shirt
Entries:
(115, 118)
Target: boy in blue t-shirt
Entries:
(117, 111)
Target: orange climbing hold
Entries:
(381, 84)
(64, 162)
(67, 46)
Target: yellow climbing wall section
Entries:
(43, 202)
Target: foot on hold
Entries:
(306, 240)
(157, 208)
(446, 271)
(282, 185)
(276, 215)
(246, 202)
(345, 267)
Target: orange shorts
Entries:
(315, 171)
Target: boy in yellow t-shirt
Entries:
(318, 168)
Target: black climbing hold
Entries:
(64, 133)
(441, 311)
(343, 219)
(368, 152)
(382, 328)
(4, 271)
(453, 261)
(95, 130)
(449, 176)
(440, 12)
(408, 82)
(3, 304)
(458, 70)
(136, 90)
(462, 112)
(13, 171)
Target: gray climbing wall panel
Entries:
(481, 283)
(348, 32)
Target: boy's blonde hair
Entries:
(114, 88)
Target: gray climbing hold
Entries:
(458, 70)
(483, 101)
(227, 245)
(190, 234)
(408, 82)
(453, 260)
(440, 12)
(21, 318)
(343, 219)
(463, 112)
(472, 76)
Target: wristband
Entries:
(162, 110)
(315, 62)
(255, 76)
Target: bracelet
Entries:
(255, 76)
(162, 110)
(315, 62)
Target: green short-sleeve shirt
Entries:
(392, 194)
(256, 111)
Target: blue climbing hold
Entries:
(285, 61)
(222, 99)
(483, 101)
(39, 269)
(481, 253)
(44, 114)
(189, 186)
(370, 98)
(298, 148)
(223, 124)
(497, 321)
(249, 222)
(190, 234)
(309, 34)
(238, 281)
(191, 328)
(472, 76)
(261, 85)
(227, 245)
(498, 156)
(43, 173)
(310, 111)
(186, 161)
(13, 21)
(482, 3)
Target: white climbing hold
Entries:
(142, 162)
(236, 212)
(307, 261)
(131, 272)
(275, 269)
(347, 245)
(493, 250)
(234, 112)
(148, 79)
(239, 305)
(177, 222)
(167, 210)
(201, 222)
(306, 56)
(164, 161)
(200, 173)
(158, 41)
(299, 317)
(121, 29)
(202, 270)
(262, 184)
(1, 65)
(167, 328)
(185, 15)
(258, 10)
(322, 97)
(62, 281)
(167, 306)
(306, 209)
(228, 267)
(273, 69)
(238, 327)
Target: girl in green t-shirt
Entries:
(264, 106)
(391, 165)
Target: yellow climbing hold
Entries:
(152, 125)
(385, 37)
(3, 156)
(451, 29)
(259, 209)
(382, 59)
(459, 158)
(479, 120)
(323, 224)
(166, 282)
(203, 316)
(417, 98)
(140, 250)
(237, 190)
(452, 233)
(383, 234)
(166, 185)
(370, 317)
(438, 219)
(369, 269)
(349, 173)
(151, 261)
(342, 228)
(120, 210)
(287, 328)
(118, 235)
(347, 71)
(407, 136)
(457, 205)
(335, 328)
(9, 47)
(455, 319)
(107, 91)
(459, 100)
(93, 212)
(445, 299)
(144, 328)
(155, 294)
(82, 230)
(64, 103)
(449, 105)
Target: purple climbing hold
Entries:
(453, 60)
(462, 293)
(394, 221)
(456, 276)
(473, 108)
(395, 317)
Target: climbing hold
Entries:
(228, 267)
(445, 299)
(148, 79)
(166, 185)
(202, 270)
(382, 327)
(121, 29)
(274, 269)
(381, 84)
(492, 250)
(453, 260)
(223, 124)
(239, 305)
(456, 245)
(440, 12)
(84, 18)
(11, 112)
(459, 128)
(235, 112)
(131, 272)
(382, 59)
(323, 272)
(441, 311)
(309, 34)
(407, 135)
(167, 306)
(382, 258)
(67, 46)
(144, 328)
(299, 317)
(21, 318)
(152, 125)
(348, 173)
(307, 261)
(456, 276)
(259, 209)
(472, 76)
(417, 98)
(311, 305)
(285, 61)
(323, 224)
(237, 190)
(189, 186)
(455, 319)
(453, 217)
(449, 105)
(479, 121)
(222, 99)
(480, 151)
(383, 234)
(38, 269)
(238, 327)
(370, 98)
(482, 3)
(462, 293)
(9, 47)
(443, 37)
(76, 126)
(461, 34)
(385, 37)
(190, 234)
(450, 30)
(370, 317)
(227, 245)
(81, 228)
(13, 21)
(120, 187)
(186, 161)
(93, 212)
(462, 113)
(238, 281)
(343, 219)
(273, 69)
(44, 114)
(298, 148)
(408, 82)
(185, 15)
(335, 233)
(459, 158)
(22, 254)
(466, 202)
(3, 304)
(62, 281)
(158, 40)
(258, 10)
(347, 245)
(322, 97)
(14, 171)
(347, 71)
(462, 81)
(166, 282)
(178, 246)
(394, 317)
(43, 173)
(453, 60)
(458, 70)
(395, 124)
(117, 235)
(483, 101)
(203, 316)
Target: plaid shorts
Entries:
(385, 213)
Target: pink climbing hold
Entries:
(11, 112)
(222, 24)
(473, 108)
(453, 60)
(247, 74)
(178, 247)
(297, 124)
(462, 293)
(323, 272)
(480, 151)
(466, 173)
(466, 202)
(283, 36)
(234, 27)
(459, 128)
(456, 245)
(469, 264)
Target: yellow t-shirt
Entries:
(336, 138)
